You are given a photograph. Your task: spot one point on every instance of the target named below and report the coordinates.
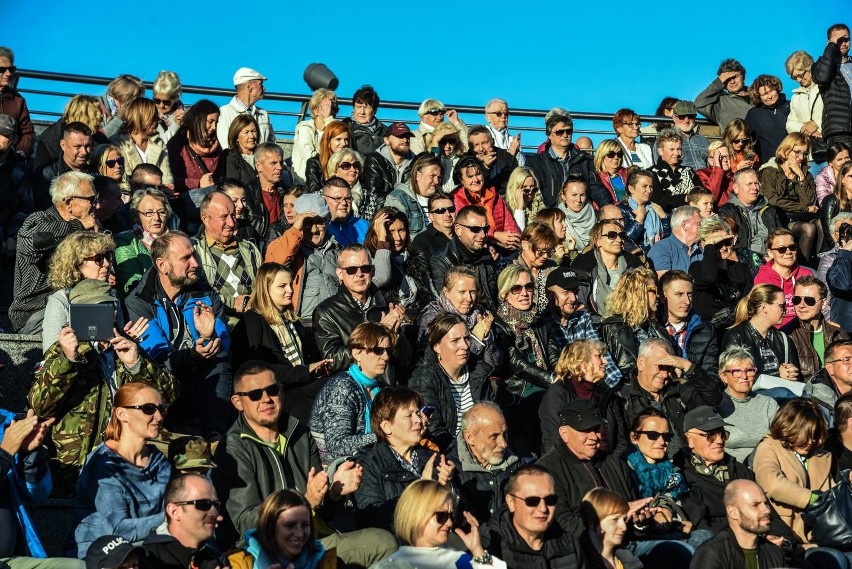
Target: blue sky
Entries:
(585, 56)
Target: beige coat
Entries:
(155, 154)
(788, 485)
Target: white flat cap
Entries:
(245, 74)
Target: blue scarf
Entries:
(367, 385)
(653, 224)
(263, 560)
(655, 479)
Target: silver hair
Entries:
(468, 417)
(167, 83)
(155, 193)
(835, 221)
(714, 224)
(556, 111)
(734, 353)
(68, 184)
(683, 213)
(495, 101)
(649, 344)
(740, 173)
(339, 156)
(265, 148)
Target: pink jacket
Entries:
(825, 183)
(767, 275)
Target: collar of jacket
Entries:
(286, 426)
(634, 388)
(760, 203)
(822, 378)
(470, 257)
(211, 243)
(469, 464)
(513, 539)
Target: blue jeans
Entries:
(828, 558)
(663, 553)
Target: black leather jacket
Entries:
(379, 177)
(830, 207)
(622, 343)
(455, 254)
(314, 175)
(517, 369)
(747, 336)
(551, 176)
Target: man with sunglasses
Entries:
(14, 105)
(751, 211)
(388, 165)
(695, 145)
(469, 247)
(525, 533)
(76, 147)
(810, 332)
(681, 248)
(832, 71)
(553, 166)
(833, 380)
(266, 450)
(441, 211)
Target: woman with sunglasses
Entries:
(151, 211)
(340, 415)
(782, 269)
(336, 136)
(109, 162)
(606, 521)
(121, 487)
(447, 140)
(271, 332)
(837, 155)
(472, 189)
(347, 165)
(523, 196)
(412, 196)
(747, 414)
(632, 309)
(285, 536)
(242, 142)
(397, 458)
(755, 328)
(450, 378)
(579, 374)
(720, 280)
(792, 467)
(423, 520)
(643, 219)
(530, 355)
(606, 262)
(837, 201)
(432, 113)
(608, 158)
(306, 141)
(740, 142)
(167, 92)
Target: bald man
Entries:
(742, 544)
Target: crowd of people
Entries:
(430, 348)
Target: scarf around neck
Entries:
(658, 478)
(579, 224)
(374, 125)
(367, 385)
(653, 224)
(143, 235)
(520, 322)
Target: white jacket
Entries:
(227, 114)
(305, 145)
(805, 105)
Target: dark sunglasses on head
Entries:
(443, 517)
(620, 154)
(443, 210)
(517, 289)
(273, 390)
(11, 69)
(809, 300)
(784, 248)
(366, 269)
(112, 163)
(202, 504)
(564, 132)
(533, 501)
(346, 166)
(162, 101)
(149, 408)
(476, 228)
(740, 140)
(613, 235)
(654, 435)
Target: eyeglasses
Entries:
(800, 75)
(476, 228)
(620, 154)
(634, 124)
(99, 258)
(202, 504)
(435, 112)
(11, 69)
(273, 390)
(112, 163)
(159, 213)
(654, 435)
(741, 373)
(740, 140)
(533, 501)
(354, 270)
(784, 248)
(543, 252)
(564, 132)
(338, 200)
(149, 408)
(443, 210)
(427, 411)
(93, 199)
(502, 114)
(714, 435)
(346, 166)
(517, 289)
(442, 517)
(164, 102)
(845, 360)
(809, 300)
(613, 235)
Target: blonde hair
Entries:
(573, 357)
(444, 130)
(167, 83)
(84, 109)
(790, 141)
(319, 96)
(629, 298)
(340, 156)
(508, 277)
(759, 295)
(64, 270)
(604, 148)
(416, 506)
(514, 195)
(99, 156)
(711, 225)
(261, 301)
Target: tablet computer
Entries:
(92, 322)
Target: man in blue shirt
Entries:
(680, 249)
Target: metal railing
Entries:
(287, 109)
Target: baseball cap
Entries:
(246, 74)
(569, 279)
(399, 129)
(190, 453)
(703, 418)
(8, 126)
(110, 551)
(580, 415)
(312, 202)
(683, 108)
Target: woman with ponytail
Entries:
(121, 488)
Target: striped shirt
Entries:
(462, 398)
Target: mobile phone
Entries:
(93, 322)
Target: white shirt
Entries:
(227, 114)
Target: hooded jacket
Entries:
(404, 199)
(767, 275)
(769, 125)
(115, 497)
(837, 113)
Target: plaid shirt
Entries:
(580, 327)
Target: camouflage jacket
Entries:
(77, 394)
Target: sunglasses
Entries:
(741, 373)
(809, 300)
(652, 289)
(377, 351)
(443, 517)
(435, 112)
(202, 504)
(725, 242)
(531, 190)
(476, 228)
(620, 154)
(613, 235)
(635, 124)
(543, 252)
(502, 114)
(654, 435)
(346, 166)
(273, 390)
(686, 117)
(366, 269)
(564, 132)
(149, 408)
(164, 102)
(112, 163)
(100, 258)
(452, 141)
(533, 501)
(443, 210)
(517, 289)
(713, 435)
(784, 248)
(741, 140)
(10, 69)
(91, 199)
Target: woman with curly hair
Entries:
(768, 117)
(632, 309)
(523, 196)
(580, 374)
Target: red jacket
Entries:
(717, 181)
(14, 105)
(499, 216)
(607, 182)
